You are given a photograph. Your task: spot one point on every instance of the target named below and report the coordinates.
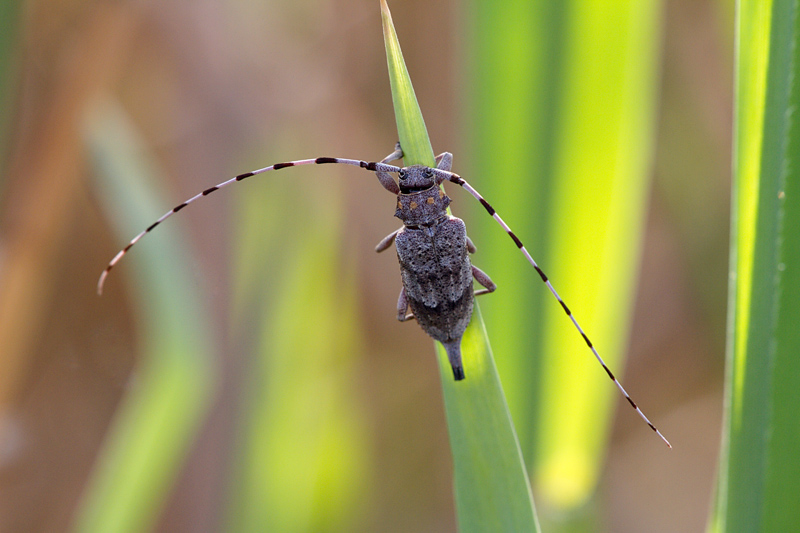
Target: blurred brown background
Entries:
(218, 88)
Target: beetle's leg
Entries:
(444, 161)
(471, 246)
(402, 307)
(384, 177)
(387, 241)
(481, 277)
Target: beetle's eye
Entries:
(428, 172)
(403, 174)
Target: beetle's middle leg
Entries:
(387, 241)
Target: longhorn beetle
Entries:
(432, 247)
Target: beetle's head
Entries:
(417, 178)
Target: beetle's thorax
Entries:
(421, 201)
(422, 208)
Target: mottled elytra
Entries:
(432, 248)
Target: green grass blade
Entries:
(411, 128)
(759, 481)
(157, 419)
(491, 484)
(562, 97)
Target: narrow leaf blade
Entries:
(491, 483)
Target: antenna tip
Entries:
(100, 282)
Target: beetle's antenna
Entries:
(458, 180)
(382, 167)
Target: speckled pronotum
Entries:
(432, 248)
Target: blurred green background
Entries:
(292, 400)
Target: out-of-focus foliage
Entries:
(563, 139)
(158, 419)
(355, 436)
(9, 66)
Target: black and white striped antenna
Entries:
(381, 168)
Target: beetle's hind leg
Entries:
(482, 278)
(402, 307)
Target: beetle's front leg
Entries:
(384, 177)
(444, 161)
